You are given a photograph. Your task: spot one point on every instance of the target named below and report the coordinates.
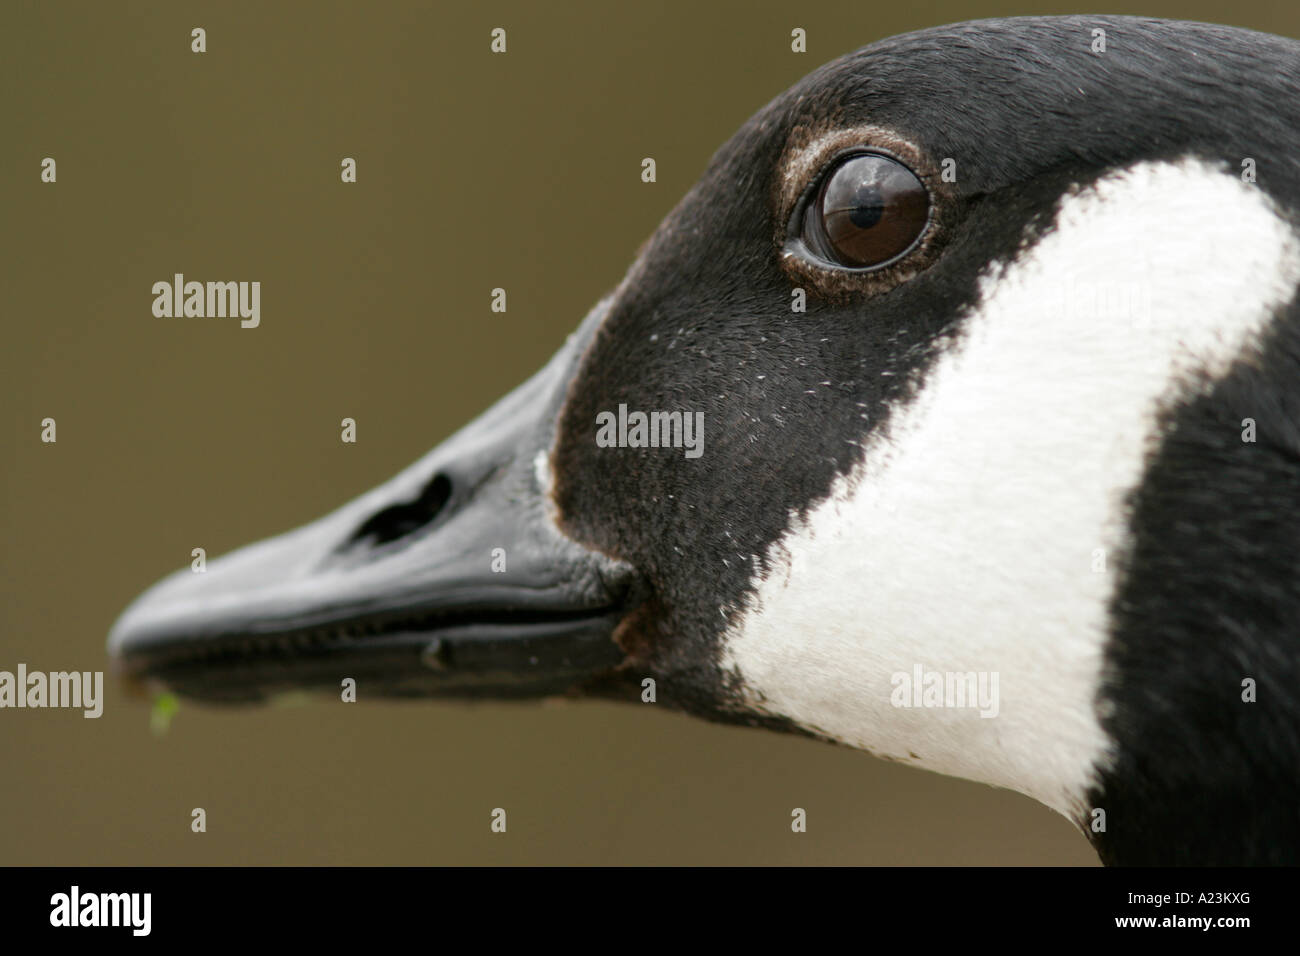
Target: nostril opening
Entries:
(398, 521)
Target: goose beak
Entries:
(451, 579)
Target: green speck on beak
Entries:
(164, 709)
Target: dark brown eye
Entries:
(868, 211)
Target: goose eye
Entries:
(868, 211)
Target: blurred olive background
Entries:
(475, 171)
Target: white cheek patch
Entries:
(967, 538)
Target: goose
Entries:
(952, 416)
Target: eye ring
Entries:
(864, 212)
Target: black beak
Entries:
(451, 579)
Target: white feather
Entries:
(964, 540)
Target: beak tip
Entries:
(142, 616)
(122, 634)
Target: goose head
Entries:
(916, 426)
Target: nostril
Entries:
(398, 521)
